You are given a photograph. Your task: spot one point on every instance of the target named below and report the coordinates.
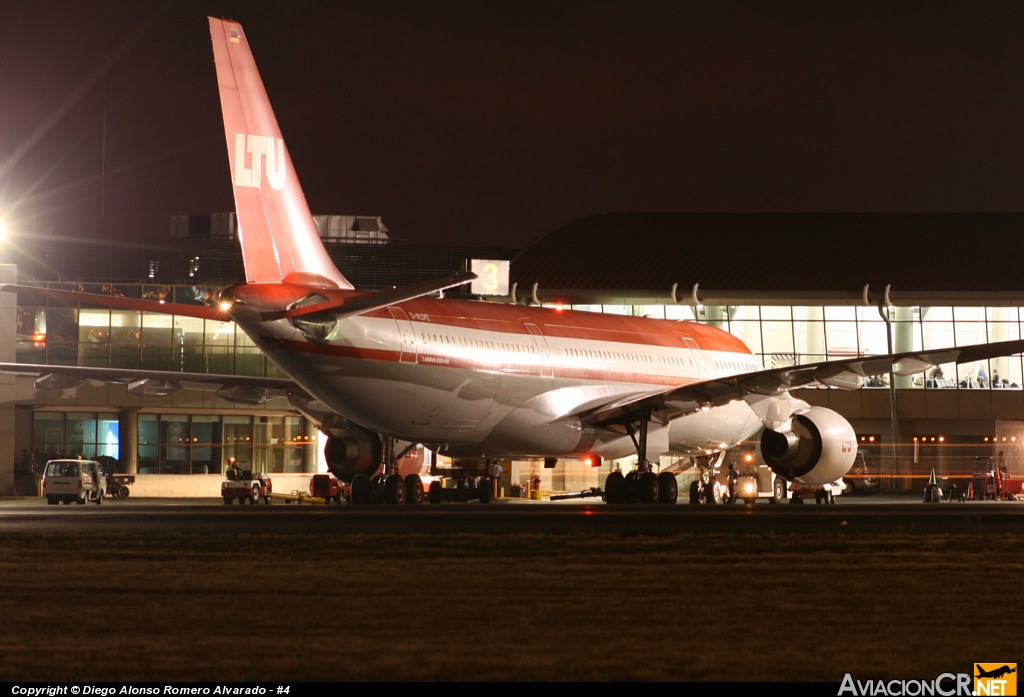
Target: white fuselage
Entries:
(480, 379)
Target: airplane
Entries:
(377, 371)
(995, 673)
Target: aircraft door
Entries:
(406, 335)
(541, 343)
(698, 358)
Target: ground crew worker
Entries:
(734, 475)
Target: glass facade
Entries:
(784, 335)
(201, 444)
(60, 333)
(178, 443)
(56, 333)
(75, 434)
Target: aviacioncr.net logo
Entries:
(995, 679)
(945, 685)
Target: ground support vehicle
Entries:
(797, 492)
(745, 489)
(323, 489)
(295, 496)
(79, 481)
(246, 485)
(117, 485)
(1010, 488)
(463, 489)
(328, 488)
(762, 483)
(986, 483)
(592, 492)
(859, 479)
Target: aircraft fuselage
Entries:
(492, 379)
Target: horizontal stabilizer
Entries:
(240, 389)
(373, 301)
(119, 302)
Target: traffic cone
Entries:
(932, 492)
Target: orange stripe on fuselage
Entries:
(567, 324)
(613, 348)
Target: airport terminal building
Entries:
(796, 288)
(188, 432)
(804, 288)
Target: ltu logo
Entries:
(260, 149)
(995, 679)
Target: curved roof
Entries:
(759, 255)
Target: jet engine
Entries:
(819, 449)
(351, 452)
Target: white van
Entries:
(80, 481)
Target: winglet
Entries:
(279, 239)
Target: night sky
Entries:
(494, 122)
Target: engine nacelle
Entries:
(355, 451)
(818, 450)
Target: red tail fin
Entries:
(278, 237)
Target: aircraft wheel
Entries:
(360, 490)
(668, 488)
(394, 489)
(647, 487)
(779, 490)
(615, 488)
(629, 488)
(413, 489)
(711, 493)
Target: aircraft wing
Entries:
(848, 374)
(357, 305)
(156, 383)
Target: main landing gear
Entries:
(642, 485)
(388, 487)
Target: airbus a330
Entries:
(480, 379)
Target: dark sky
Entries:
(494, 122)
